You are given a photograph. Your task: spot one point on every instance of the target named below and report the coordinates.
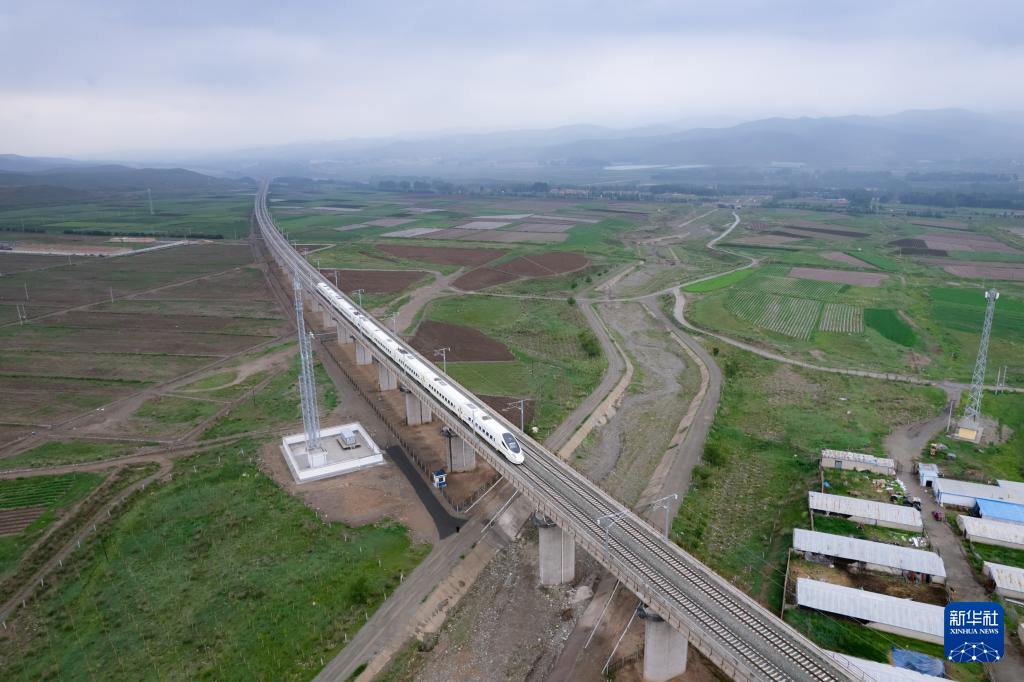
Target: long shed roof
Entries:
(989, 529)
(870, 606)
(1005, 577)
(951, 486)
(869, 509)
(848, 456)
(879, 553)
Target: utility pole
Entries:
(1001, 379)
(150, 193)
(521, 404)
(443, 352)
(663, 503)
(111, 294)
(606, 522)
(26, 290)
(359, 294)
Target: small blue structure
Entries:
(995, 510)
(440, 478)
(918, 662)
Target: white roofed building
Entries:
(1009, 580)
(867, 512)
(873, 556)
(990, 532)
(857, 461)
(950, 492)
(879, 611)
(927, 474)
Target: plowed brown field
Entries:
(465, 343)
(537, 265)
(442, 255)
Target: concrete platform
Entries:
(335, 460)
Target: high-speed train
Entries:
(482, 424)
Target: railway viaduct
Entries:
(685, 602)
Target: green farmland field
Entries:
(719, 282)
(53, 493)
(888, 323)
(214, 574)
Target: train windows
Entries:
(510, 442)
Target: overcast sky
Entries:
(111, 76)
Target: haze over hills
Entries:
(946, 136)
(932, 139)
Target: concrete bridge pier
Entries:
(557, 552)
(463, 456)
(665, 648)
(344, 333)
(363, 354)
(328, 319)
(386, 379)
(417, 411)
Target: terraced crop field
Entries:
(799, 288)
(41, 491)
(838, 317)
(794, 317)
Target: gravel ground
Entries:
(507, 627)
(623, 453)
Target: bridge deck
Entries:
(745, 640)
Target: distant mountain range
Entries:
(79, 181)
(908, 138)
(912, 140)
(109, 177)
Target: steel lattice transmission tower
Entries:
(971, 421)
(307, 382)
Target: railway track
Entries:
(736, 632)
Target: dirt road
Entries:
(904, 445)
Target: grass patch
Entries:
(890, 325)
(212, 381)
(840, 526)
(166, 415)
(994, 461)
(52, 492)
(67, 452)
(852, 638)
(719, 282)
(275, 406)
(164, 582)
(1008, 556)
(762, 455)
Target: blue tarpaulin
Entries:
(918, 662)
(995, 510)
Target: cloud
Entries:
(82, 79)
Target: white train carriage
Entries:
(482, 423)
